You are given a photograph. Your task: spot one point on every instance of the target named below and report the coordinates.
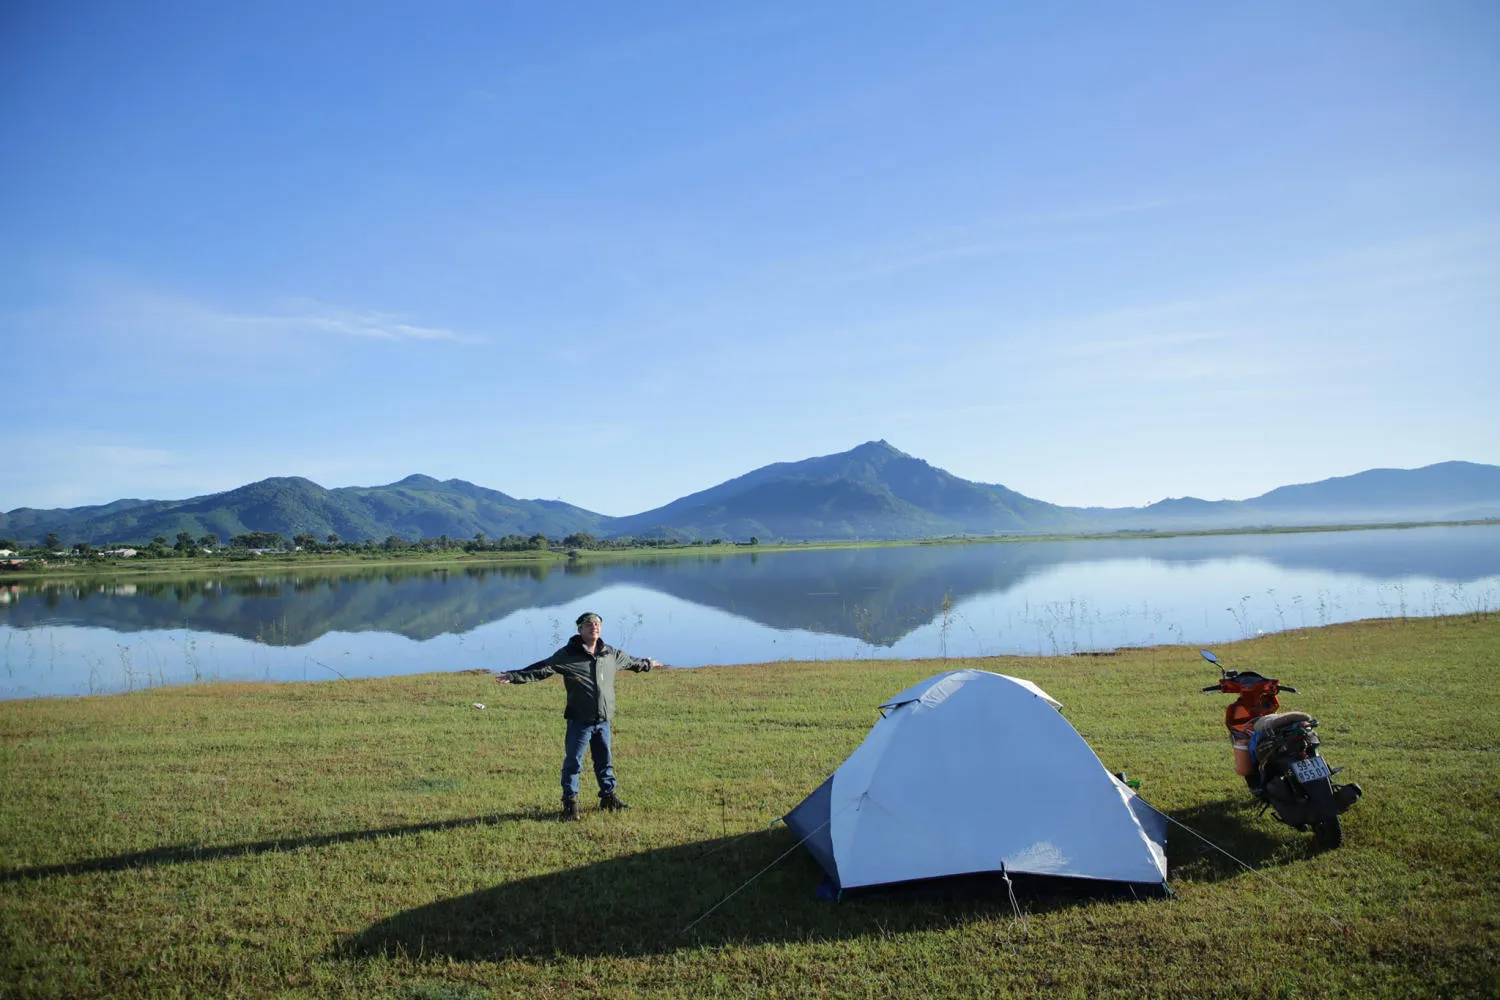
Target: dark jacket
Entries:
(590, 680)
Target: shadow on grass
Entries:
(643, 904)
(181, 853)
(1237, 827)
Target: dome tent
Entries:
(973, 772)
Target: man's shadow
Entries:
(171, 854)
(759, 887)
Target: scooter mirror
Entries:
(1210, 657)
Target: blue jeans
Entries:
(595, 736)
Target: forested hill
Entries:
(874, 491)
(1447, 491)
(416, 507)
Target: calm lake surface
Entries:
(70, 637)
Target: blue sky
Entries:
(615, 253)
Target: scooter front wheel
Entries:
(1328, 831)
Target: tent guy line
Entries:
(1256, 871)
(779, 858)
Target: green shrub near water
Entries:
(385, 838)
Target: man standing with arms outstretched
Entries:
(588, 669)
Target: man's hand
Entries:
(655, 664)
(503, 677)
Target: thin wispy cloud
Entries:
(1111, 210)
(1141, 343)
(123, 313)
(1013, 235)
(898, 263)
(318, 318)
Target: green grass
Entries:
(384, 838)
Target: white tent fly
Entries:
(974, 772)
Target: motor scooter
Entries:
(1277, 753)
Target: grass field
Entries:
(385, 838)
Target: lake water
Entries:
(736, 606)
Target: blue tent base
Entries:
(987, 885)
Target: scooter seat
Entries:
(1268, 723)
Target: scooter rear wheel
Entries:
(1328, 832)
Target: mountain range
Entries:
(873, 491)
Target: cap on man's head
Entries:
(588, 616)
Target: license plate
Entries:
(1310, 769)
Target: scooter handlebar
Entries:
(1211, 689)
(1288, 688)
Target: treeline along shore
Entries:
(392, 838)
(261, 545)
(258, 551)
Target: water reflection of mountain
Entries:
(297, 608)
(880, 595)
(877, 595)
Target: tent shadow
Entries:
(1234, 826)
(659, 901)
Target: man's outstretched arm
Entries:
(538, 671)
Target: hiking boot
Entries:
(612, 802)
(569, 811)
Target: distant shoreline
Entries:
(179, 566)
